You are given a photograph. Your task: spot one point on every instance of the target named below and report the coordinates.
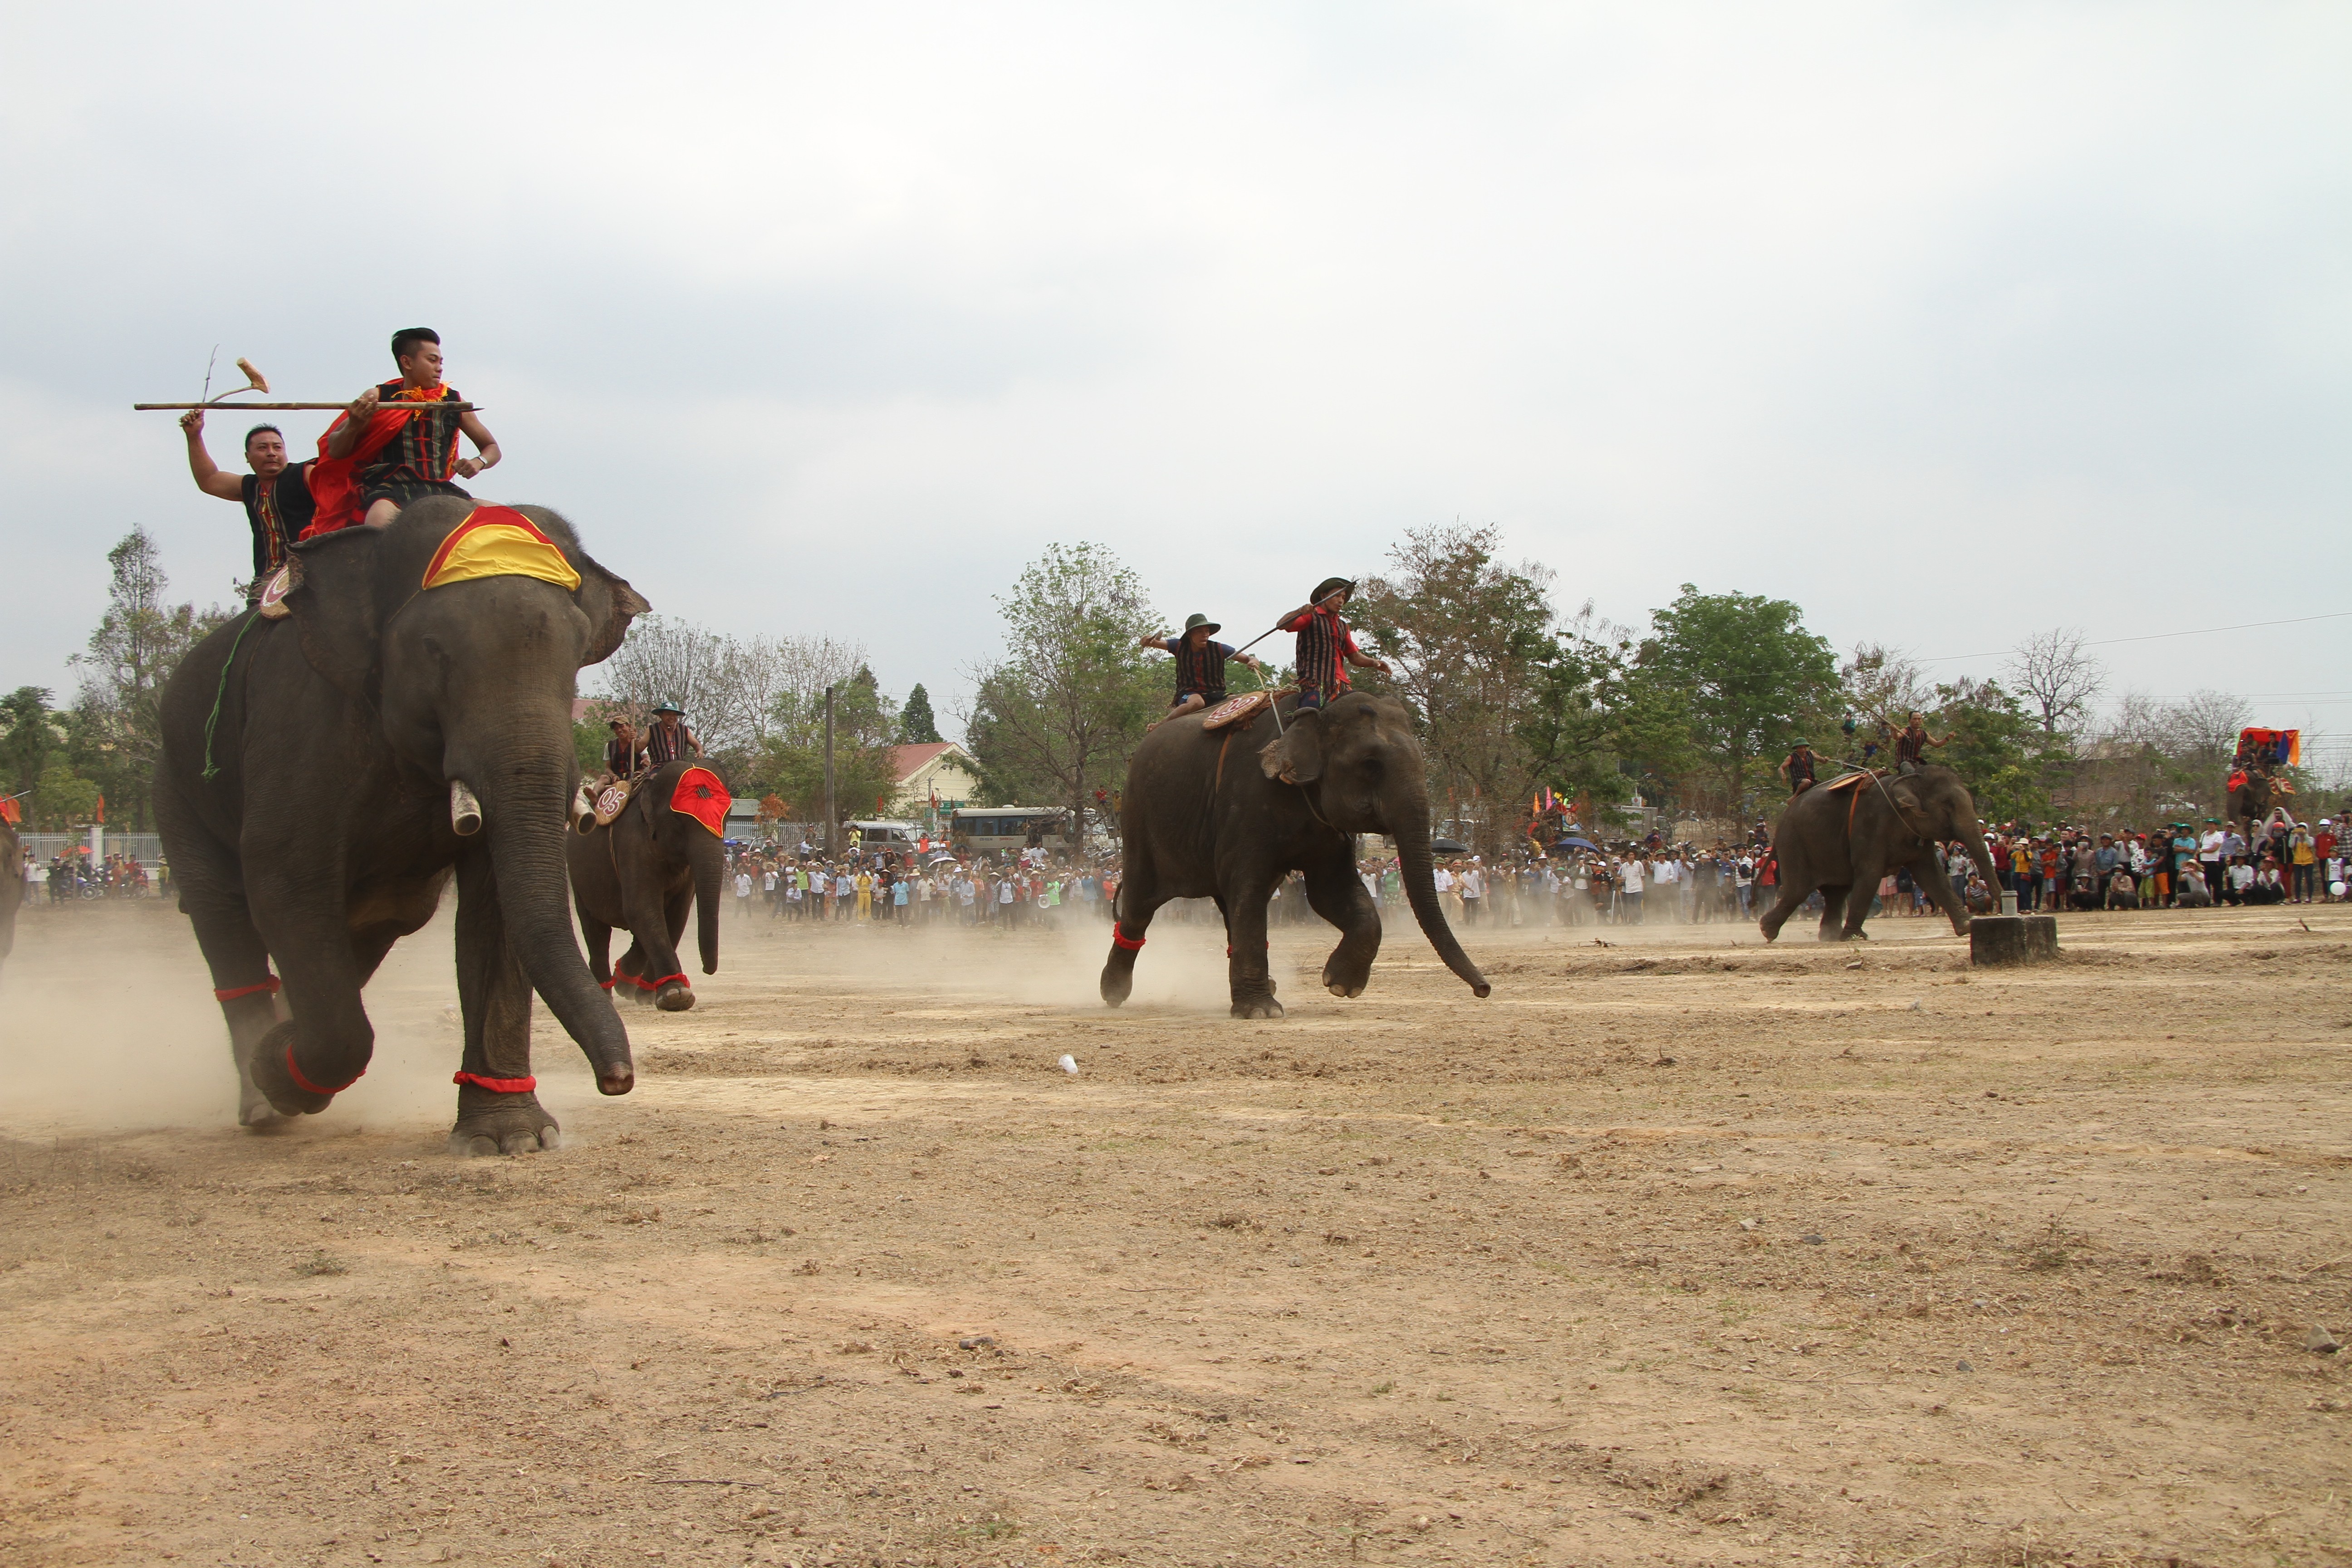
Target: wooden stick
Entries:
(389, 406)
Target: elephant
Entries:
(2253, 802)
(639, 873)
(1842, 841)
(324, 776)
(1228, 813)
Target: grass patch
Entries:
(323, 1262)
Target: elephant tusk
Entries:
(465, 810)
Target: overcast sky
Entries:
(1949, 323)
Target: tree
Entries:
(1882, 686)
(1058, 714)
(865, 731)
(62, 797)
(2053, 673)
(1470, 639)
(1751, 674)
(915, 725)
(117, 728)
(28, 733)
(1994, 748)
(1575, 729)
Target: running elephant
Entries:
(639, 875)
(1842, 837)
(325, 775)
(1227, 813)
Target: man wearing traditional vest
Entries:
(1325, 648)
(1200, 664)
(668, 739)
(1798, 772)
(277, 494)
(382, 453)
(1911, 745)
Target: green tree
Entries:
(915, 725)
(1056, 718)
(791, 763)
(1470, 639)
(1995, 748)
(62, 798)
(1752, 674)
(28, 733)
(117, 730)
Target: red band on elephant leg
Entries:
(1118, 938)
(301, 1082)
(657, 985)
(498, 1085)
(235, 992)
(606, 985)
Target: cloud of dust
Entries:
(108, 1024)
(1181, 966)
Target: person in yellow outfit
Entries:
(865, 895)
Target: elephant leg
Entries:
(597, 938)
(629, 974)
(295, 893)
(1246, 970)
(673, 993)
(497, 1112)
(1832, 914)
(1791, 898)
(238, 960)
(1868, 870)
(1337, 894)
(1929, 873)
(1138, 900)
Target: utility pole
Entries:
(832, 813)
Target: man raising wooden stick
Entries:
(277, 494)
(384, 451)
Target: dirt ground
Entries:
(1678, 1249)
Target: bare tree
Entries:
(2201, 729)
(2057, 678)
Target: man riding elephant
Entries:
(639, 875)
(1229, 814)
(1800, 771)
(1841, 838)
(404, 718)
(1200, 664)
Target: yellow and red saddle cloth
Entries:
(498, 542)
(701, 796)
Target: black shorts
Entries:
(406, 493)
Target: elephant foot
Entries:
(1117, 985)
(253, 1108)
(1345, 979)
(675, 997)
(270, 1071)
(490, 1122)
(1256, 1007)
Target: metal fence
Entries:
(147, 847)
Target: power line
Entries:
(2152, 637)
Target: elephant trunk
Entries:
(709, 879)
(523, 804)
(1421, 891)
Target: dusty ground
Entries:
(1677, 1249)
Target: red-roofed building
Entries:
(939, 767)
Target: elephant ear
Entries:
(333, 598)
(610, 604)
(1298, 757)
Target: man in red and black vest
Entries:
(668, 737)
(277, 494)
(384, 452)
(1325, 648)
(1200, 664)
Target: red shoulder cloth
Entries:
(335, 481)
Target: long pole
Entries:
(832, 813)
(391, 405)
